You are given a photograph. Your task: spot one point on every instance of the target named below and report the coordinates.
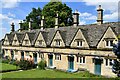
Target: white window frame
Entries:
(16, 53)
(57, 57)
(82, 60)
(6, 54)
(57, 42)
(109, 61)
(41, 55)
(15, 41)
(40, 42)
(27, 54)
(79, 43)
(109, 43)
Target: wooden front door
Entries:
(97, 66)
(71, 63)
(50, 60)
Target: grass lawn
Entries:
(7, 67)
(46, 74)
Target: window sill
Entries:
(57, 60)
(109, 67)
(81, 63)
(109, 46)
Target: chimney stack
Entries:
(12, 27)
(20, 26)
(30, 24)
(56, 21)
(42, 22)
(76, 18)
(100, 15)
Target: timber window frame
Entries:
(108, 62)
(57, 42)
(109, 43)
(26, 42)
(82, 60)
(57, 57)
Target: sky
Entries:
(17, 10)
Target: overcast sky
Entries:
(16, 10)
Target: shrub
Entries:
(5, 61)
(25, 64)
(42, 64)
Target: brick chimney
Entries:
(76, 18)
(99, 15)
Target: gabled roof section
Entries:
(10, 37)
(45, 36)
(92, 33)
(31, 37)
(80, 36)
(20, 37)
(51, 33)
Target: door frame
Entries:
(35, 57)
(97, 62)
(50, 55)
(71, 62)
(22, 55)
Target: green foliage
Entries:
(49, 11)
(15, 62)
(5, 61)
(42, 64)
(25, 64)
(53, 74)
(35, 16)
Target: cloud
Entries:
(111, 5)
(112, 16)
(87, 16)
(82, 22)
(11, 15)
(7, 19)
(9, 3)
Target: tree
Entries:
(49, 11)
(116, 63)
(64, 12)
(35, 15)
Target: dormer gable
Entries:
(15, 41)
(108, 38)
(40, 41)
(58, 40)
(26, 40)
(79, 40)
(6, 40)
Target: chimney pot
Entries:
(12, 27)
(56, 21)
(30, 24)
(20, 26)
(42, 22)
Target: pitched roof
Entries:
(31, 36)
(93, 33)
(20, 37)
(10, 37)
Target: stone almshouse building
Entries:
(79, 46)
